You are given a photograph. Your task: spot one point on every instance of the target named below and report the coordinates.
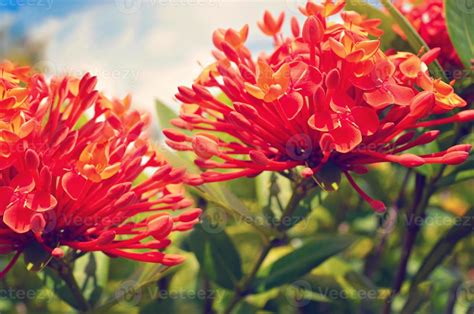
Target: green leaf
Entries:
(58, 286)
(413, 38)
(219, 195)
(389, 39)
(300, 261)
(460, 22)
(91, 272)
(165, 114)
(217, 256)
(146, 275)
(171, 305)
(442, 249)
(456, 177)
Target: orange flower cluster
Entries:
(325, 96)
(69, 160)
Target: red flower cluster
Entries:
(429, 19)
(69, 158)
(325, 96)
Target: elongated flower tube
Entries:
(325, 96)
(69, 161)
(429, 20)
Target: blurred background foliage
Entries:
(339, 257)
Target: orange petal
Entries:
(254, 91)
(411, 67)
(337, 48)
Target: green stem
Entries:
(413, 225)
(65, 272)
(242, 289)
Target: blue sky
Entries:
(143, 47)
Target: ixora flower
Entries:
(429, 20)
(66, 180)
(326, 96)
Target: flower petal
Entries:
(6, 194)
(346, 137)
(366, 119)
(73, 185)
(18, 218)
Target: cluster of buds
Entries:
(325, 96)
(69, 160)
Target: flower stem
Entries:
(10, 265)
(242, 289)
(65, 272)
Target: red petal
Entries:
(366, 119)
(324, 121)
(73, 185)
(40, 201)
(23, 183)
(292, 104)
(346, 137)
(6, 194)
(18, 218)
(402, 95)
(378, 98)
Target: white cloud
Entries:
(149, 50)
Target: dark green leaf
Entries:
(217, 256)
(58, 286)
(463, 227)
(456, 177)
(300, 261)
(460, 22)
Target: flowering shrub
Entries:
(262, 141)
(67, 180)
(327, 95)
